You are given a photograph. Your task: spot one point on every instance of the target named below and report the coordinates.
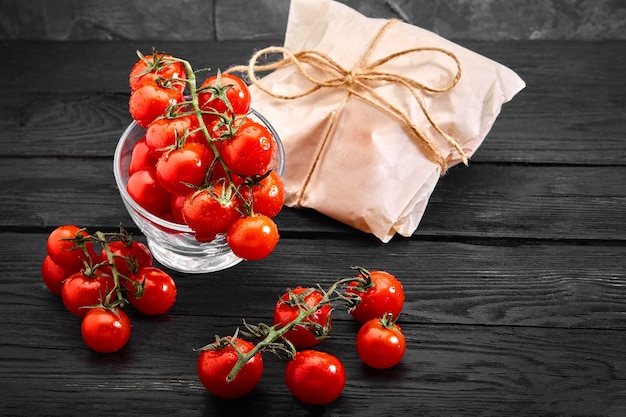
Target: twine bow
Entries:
(357, 82)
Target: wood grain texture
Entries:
(514, 281)
(561, 117)
(489, 364)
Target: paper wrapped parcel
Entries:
(346, 154)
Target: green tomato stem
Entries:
(275, 334)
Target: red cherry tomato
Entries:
(252, 237)
(53, 275)
(105, 330)
(214, 89)
(268, 196)
(128, 257)
(184, 169)
(163, 134)
(380, 343)
(210, 212)
(250, 151)
(62, 247)
(144, 187)
(149, 102)
(163, 72)
(289, 306)
(141, 157)
(80, 291)
(383, 293)
(159, 291)
(315, 377)
(214, 366)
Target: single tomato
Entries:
(215, 364)
(105, 330)
(150, 102)
(252, 237)
(315, 377)
(378, 293)
(380, 343)
(158, 291)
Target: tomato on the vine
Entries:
(252, 237)
(215, 364)
(164, 133)
(314, 328)
(80, 291)
(128, 257)
(149, 102)
(144, 187)
(380, 343)
(105, 330)
(250, 151)
(165, 71)
(209, 212)
(268, 195)
(141, 157)
(383, 293)
(315, 377)
(159, 291)
(212, 91)
(63, 249)
(184, 169)
(53, 275)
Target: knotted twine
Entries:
(356, 82)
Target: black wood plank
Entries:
(567, 286)
(482, 201)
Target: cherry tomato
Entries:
(80, 291)
(250, 151)
(176, 204)
(141, 157)
(105, 330)
(210, 212)
(163, 72)
(63, 249)
(213, 90)
(289, 306)
(214, 366)
(315, 377)
(252, 237)
(164, 133)
(184, 169)
(149, 102)
(380, 343)
(54, 275)
(128, 257)
(144, 187)
(268, 195)
(159, 291)
(382, 294)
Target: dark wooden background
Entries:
(221, 20)
(515, 280)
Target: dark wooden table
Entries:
(515, 280)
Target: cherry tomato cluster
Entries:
(231, 367)
(203, 162)
(96, 275)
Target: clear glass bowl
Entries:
(173, 244)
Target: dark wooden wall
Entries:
(266, 19)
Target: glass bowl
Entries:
(173, 244)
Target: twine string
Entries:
(357, 82)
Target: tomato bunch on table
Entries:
(231, 367)
(97, 275)
(203, 162)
